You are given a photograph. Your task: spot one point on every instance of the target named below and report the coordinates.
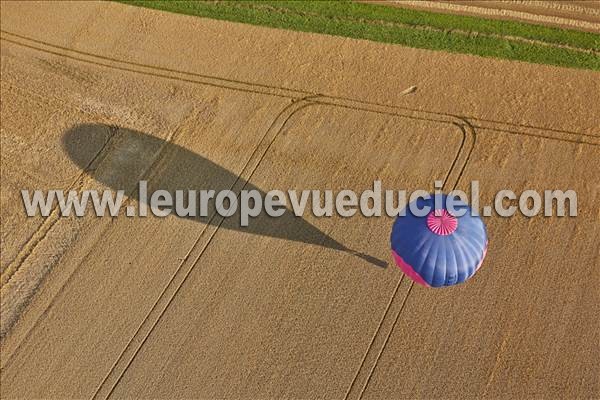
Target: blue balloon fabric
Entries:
(440, 248)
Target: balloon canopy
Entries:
(442, 248)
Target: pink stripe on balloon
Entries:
(441, 222)
(482, 257)
(408, 270)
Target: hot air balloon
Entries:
(442, 248)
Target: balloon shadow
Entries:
(119, 158)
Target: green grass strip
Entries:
(458, 34)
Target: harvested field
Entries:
(204, 308)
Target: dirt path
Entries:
(175, 307)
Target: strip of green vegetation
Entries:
(459, 34)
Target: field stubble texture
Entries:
(132, 305)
